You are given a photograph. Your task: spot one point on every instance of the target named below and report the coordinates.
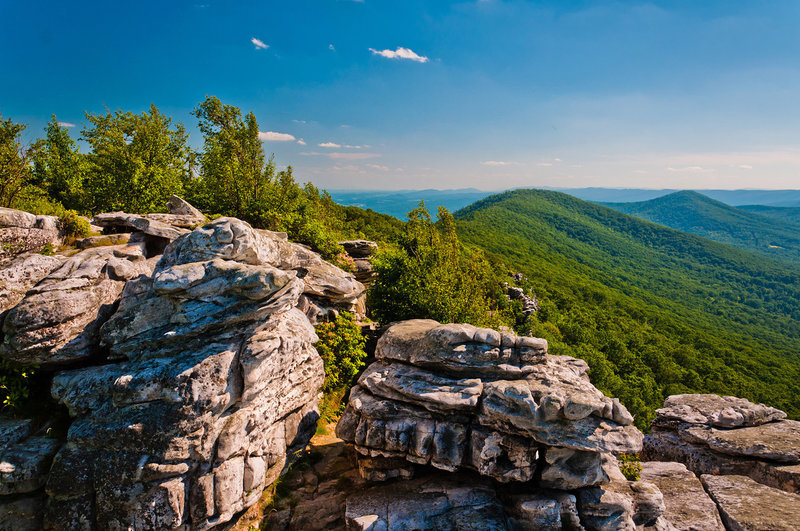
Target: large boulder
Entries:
(457, 397)
(214, 382)
(58, 321)
(22, 232)
(687, 506)
(747, 505)
(21, 273)
(727, 435)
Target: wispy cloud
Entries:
(272, 136)
(66, 124)
(377, 167)
(331, 47)
(259, 44)
(745, 166)
(300, 121)
(400, 53)
(690, 169)
(343, 156)
(544, 164)
(329, 145)
(498, 163)
(301, 142)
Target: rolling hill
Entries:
(790, 214)
(695, 213)
(653, 310)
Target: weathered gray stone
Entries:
(22, 232)
(24, 464)
(359, 248)
(428, 401)
(759, 445)
(747, 505)
(215, 383)
(22, 513)
(427, 504)
(717, 411)
(106, 239)
(21, 274)
(58, 321)
(687, 506)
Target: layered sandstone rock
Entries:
(687, 506)
(470, 400)
(727, 435)
(747, 505)
(459, 397)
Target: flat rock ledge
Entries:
(727, 435)
(688, 506)
(747, 505)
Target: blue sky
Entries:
(489, 94)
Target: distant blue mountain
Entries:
(398, 203)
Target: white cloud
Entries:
(329, 145)
(300, 121)
(343, 156)
(544, 164)
(400, 53)
(259, 44)
(66, 124)
(377, 167)
(301, 142)
(745, 166)
(272, 136)
(331, 48)
(557, 160)
(498, 163)
(690, 169)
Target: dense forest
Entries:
(654, 311)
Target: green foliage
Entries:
(652, 310)
(16, 171)
(14, 386)
(341, 346)
(60, 169)
(431, 275)
(631, 466)
(695, 213)
(137, 161)
(73, 226)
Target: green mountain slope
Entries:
(653, 310)
(790, 214)
(693, 212)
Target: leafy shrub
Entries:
(341, 346)
(73, 226)
(630, 466)
(14, 386)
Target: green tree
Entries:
(234, 177)
(433, 276)
(60, 168)
(137, 160)
(16, 170)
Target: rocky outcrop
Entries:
(214, 382)
(476, 401)
(529, 304)
(22, 232)
(459, 397)
(687, 506)
(747, 505)
(727, 435)
(58, 321)
(361, 251)
(21, 273)
(209, 380)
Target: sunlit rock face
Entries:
(712, 434)
(459, 397)
(208, 378)
(520, 439)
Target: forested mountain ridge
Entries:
(783, 213)
(653, 310)
(693, 212)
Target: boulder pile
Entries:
(190, 375)
(537, 438)
(717, 435)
